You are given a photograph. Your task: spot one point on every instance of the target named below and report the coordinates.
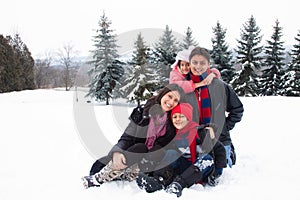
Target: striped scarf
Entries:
(203, 97)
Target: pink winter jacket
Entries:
(177, 77)
(187, 86)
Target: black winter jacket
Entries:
(136, 131)
(226, 108)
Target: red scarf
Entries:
(202, 95)
(190, 133)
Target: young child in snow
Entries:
(199, 157)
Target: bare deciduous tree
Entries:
(42, 71)
(67, 58)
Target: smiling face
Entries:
(179, 120)
(199, 64)
(170, 100)
(184, 67)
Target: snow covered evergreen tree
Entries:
(139, 83)
(188, 40)
(107, 69)
(291, 79)
(245, 82)
(220, 54)
(271, 79)
(164, 54)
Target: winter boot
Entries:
(175, 188)
(213, 179)
(130, 173)
(189, 177)
(90, 181)
(107, 174)
(148, 183)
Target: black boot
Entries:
(175, 188)
(148, 183)
(213, 179)
(189, 177)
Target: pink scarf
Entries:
(156, 128)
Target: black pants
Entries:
(140, 151)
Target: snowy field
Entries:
(44, 151)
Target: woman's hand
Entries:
(118, 161)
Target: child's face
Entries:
(179, 120)
(184, 67)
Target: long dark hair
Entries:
(157, 98)
(169, 88)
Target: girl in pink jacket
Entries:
(181, 68)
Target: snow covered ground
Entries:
(44, 151)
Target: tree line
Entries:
(20, 71)
(251, 68)
(16, 65)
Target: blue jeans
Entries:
(178, 163)
(206, 165)
(228, 149)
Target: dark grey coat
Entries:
(226, 108)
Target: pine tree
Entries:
(107, 69)
(271, 83)
(291, 79)
(249, 59)
(164, 54)
(188, 40)
(220, 54)
(8, 62)
(139, 84)
(25, 61)
(28, 67)
(17, 70)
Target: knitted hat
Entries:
(185, 109)
(182, 55)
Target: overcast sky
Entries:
(46, 25)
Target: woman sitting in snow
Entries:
(141, 145)
(197, 158)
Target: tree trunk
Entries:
(107, 98)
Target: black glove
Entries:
(137, 114)
(212, 125)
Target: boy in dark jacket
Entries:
(197, 158)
